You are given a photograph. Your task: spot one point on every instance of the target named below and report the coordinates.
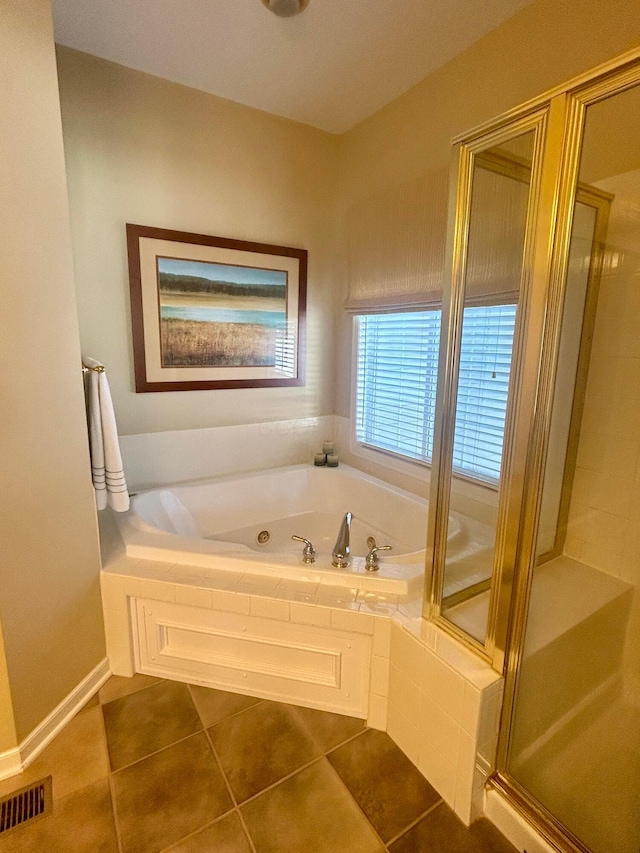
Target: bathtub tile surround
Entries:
(179, 456)
(370, 656)
(351, 789)
(158, 458)
(444, 707)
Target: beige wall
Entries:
(8, 737)
(49, 592)
(143, 150)
(542, 46)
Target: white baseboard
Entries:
(16, 760)
(10, 763)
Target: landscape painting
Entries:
(220, 315)
(215, 312)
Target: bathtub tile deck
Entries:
(197, 770)
(238, 592)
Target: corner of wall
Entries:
(8, 736)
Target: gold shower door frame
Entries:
(538, 120)
(558, 118)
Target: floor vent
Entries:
(26, 805)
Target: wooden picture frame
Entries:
(210, 312)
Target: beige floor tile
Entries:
(312, 812)
(79, 823)
(224, 836)
(385, 784)
(148, 720)
(442, 832)
(75, 758)
(216, 705)
(260, 746)
(117, 686)
(169, 795)
(328, 730)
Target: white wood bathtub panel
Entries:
(311, 666)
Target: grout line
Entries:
(174, 844)
(284, 779)
(231, 794)
(162, 749)
(246, 831)
(415, 822)
(407, 828)
(133, 692)
(310, 733)
(357, 804)
(293, 772)
(230, 716)
(221, 768)
(348, 740)
(114, 810)
(110, 781)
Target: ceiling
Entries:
(330, 67)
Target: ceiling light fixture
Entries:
(286, 8)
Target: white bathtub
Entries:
(215, 524)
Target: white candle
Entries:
(332, 460)
(320, 459)
(327, 447)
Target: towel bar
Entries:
(98, 369)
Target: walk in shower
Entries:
(545, 221)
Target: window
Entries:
(396, 385)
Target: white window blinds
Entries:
(483, 386)
(396, 385)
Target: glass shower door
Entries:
(574, 744)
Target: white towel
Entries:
(106, 462)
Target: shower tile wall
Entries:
(604, 520)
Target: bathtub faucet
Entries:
(341, 550)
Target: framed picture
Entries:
(209, 312)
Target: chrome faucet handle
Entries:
(308, 552)
(371, 563)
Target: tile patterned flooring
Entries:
(151, 765)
